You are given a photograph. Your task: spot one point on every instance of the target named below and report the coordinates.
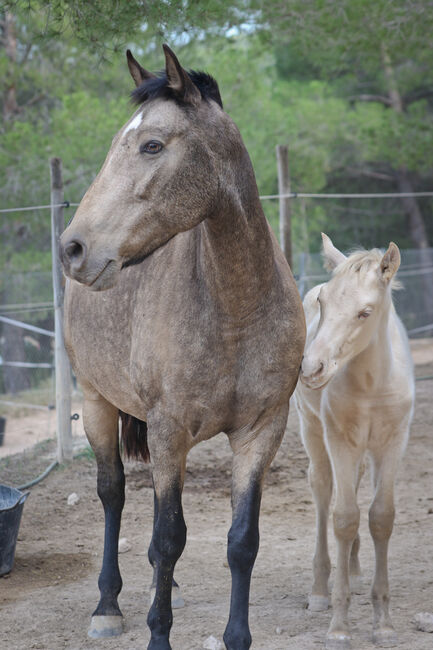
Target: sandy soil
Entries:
(47, 600)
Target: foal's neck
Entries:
(236, 255)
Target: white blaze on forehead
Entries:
(134, 124)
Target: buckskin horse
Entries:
(182, 316)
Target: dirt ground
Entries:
(47, 600)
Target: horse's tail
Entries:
(134, 437)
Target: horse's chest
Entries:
(207, 375)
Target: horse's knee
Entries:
(381, 521)
(346, 524)
(320, 477)
(242, 546)
(169, 535)
(111, 486)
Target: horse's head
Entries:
(161, 175)
(351, 306)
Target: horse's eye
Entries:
(153, 146)
(364, 314)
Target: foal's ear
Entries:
(390, 262)
(138, 73)
(332, 257)
(179, 80)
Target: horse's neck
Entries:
(372, 366)
(236, 256)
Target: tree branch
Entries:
(382, 99)
(26, 53)
(371, 174)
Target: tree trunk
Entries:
(10, 105)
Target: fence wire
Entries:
(27, 388)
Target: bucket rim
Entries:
(20, 497)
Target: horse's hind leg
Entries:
(177, 600)
(253, 453)
(101, 425)
(168, 454)
(381, 520)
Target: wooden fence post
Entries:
(63, 367)
(284, 188)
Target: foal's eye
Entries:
(153, 146)
(364, 314)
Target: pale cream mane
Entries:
(361, 261)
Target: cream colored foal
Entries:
(355, 398)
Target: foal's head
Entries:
(161, 176)
(351, 306)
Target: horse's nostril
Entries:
(74, 251)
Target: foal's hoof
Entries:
(102, 627)
(177, 601)
(338, 641)
(318, 603)
(386, 637)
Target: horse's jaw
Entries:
(99, 279)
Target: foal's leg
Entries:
(177, 600)
(354, 566)
(346, 522)
(320, 476)
(101, 425)
(168, 454)
(253, 453)
(381, 520)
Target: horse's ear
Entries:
(179, 80)
(138, 73)
(332, 257)
(390, 262)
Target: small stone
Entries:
(212, 643)
(424, 621)
(73, 499)
(279, 630)
(124, 545)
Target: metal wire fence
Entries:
(27, 388)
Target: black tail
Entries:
(134, 437)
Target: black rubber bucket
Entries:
(11, 509)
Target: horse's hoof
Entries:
(338, 641)
(386, 637)
(102, 627)
(177, 601)
(318, 603)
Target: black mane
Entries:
(158, 87)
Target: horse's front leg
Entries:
(253, 453)
(320, 477)
(354, 566)
(168, 450)
(177, 600)
(101, 421)
(345, 463)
